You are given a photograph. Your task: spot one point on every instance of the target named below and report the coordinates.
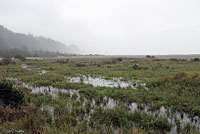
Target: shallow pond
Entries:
(102, 82)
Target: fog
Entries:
(128, 27)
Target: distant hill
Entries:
(12, 40)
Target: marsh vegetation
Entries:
(101, 95)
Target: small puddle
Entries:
(110, 103)
(26, 67)
(54, 92)
(50, 109)
(41, 72)
(50, 90)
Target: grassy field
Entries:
(103, 95)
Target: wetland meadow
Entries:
(105, 95)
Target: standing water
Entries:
(101, 82)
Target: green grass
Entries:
(172, 84)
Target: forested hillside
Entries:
(11, 42)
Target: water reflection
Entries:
(26, 67)
(102, 82)
(109, 103)
(50, 109)
(54, 92)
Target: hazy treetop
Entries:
(110, 26)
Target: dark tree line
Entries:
(26, 53)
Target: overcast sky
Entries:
(110, 26)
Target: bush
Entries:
(6, 60)
(10, 96)
(173, 59)
(119, 59)
(149, 56)
(196, 59)
(63, 61)
(114, 60)
(22, 58)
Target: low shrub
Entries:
(6, 60)
(22, 58)
(10, 96)
(62, 61)
(196, 59)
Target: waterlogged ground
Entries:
(111, 96)
(102, 82)
(109, 103)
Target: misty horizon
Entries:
(110, 27)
